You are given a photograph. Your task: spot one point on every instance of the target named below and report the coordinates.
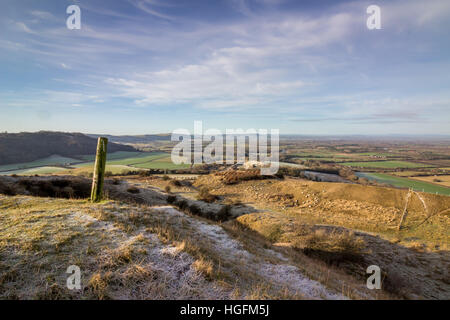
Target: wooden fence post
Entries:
(99, 170)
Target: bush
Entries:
(167, 189)
(332, 247)
(235, 176)
(165, 177)
(182, 204)
(205, 195)
(194, 209)
(108, 174)
(56, 188)
(176, 183)
(224, 213)
(133, 190)
(144, 173)
(6, 189)
(171, 199)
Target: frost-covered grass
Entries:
(136, 252)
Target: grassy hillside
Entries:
(281, 239)
(126, 251)
(27, 147)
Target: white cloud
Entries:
(43, 15)
(23, 27)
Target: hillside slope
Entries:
(135, 139)
(26, 147)
(314, 242)
(128, 251)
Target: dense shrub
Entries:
(171, 199)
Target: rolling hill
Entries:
(26, 147)
(135, 139)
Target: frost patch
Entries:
(282, 275)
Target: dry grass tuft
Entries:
(332, 247)
(98, 284)
(205, 195)
(205, 267)
(235, 176)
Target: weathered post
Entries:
(99, 170)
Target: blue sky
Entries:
(149, 66)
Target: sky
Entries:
(152, 66)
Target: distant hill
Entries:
(135, 139)
(26, 147)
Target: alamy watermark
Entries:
(374, 281)
(240, 146)
(73, 22)
(374, 20)
(74, 280)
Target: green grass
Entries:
(116, 162)
(381, 154)
(135, 159)
(161, 163)
(143, 158)
(45, 162)
(326, 159)
(312, 154)
(114, 169)
(405, 183)
(33, 171)
(384, 164)
(119, 155)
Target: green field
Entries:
(117, 163)
(372, 154)
(384, 164)
(143, 158)
(161, 163)
(33, 171)
(45, 162)
(114, 169)
(125, 158)
(405, 183)
(115, 155)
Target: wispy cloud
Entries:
(148, 7)
(43, 15)
(298, 65)
(23, 27)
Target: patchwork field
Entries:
(406, 183)
(441, 180)
(49, 161)
(38, 170)
(385, 164)
(117, 162)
